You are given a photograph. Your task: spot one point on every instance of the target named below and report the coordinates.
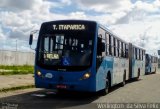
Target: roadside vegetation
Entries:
(13, 70)
(16, 88)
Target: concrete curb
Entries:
(17, 88)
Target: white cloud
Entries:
(106, 6)
(21, 21)
(77, 15)
(2, 36)
(20, 4)
(18, 34)
(129, 20)
(67, 2)
(12, 19)
(148, 7)
(144, 34)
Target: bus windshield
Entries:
(63, 50)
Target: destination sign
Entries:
(69, 27)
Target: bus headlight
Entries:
(39, 73)
(86, 75)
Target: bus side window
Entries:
(116, 41)
(135, 53)
(114, 46)
(110, 47)
(98, 45)
(117, 48)
(126, 51)
(143, 55)
(152, 59)
(107, 44)
(103, 47)
(120, 47)
(140, 55)
(156, 59)
(100, 50)
(101, 41)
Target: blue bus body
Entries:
(82, 56)
(136, 61)
(151, 64)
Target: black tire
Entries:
(137, 78)
(106, 90)
(155, 71)
(108, 85)
(124, 80)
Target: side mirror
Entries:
(30, 39)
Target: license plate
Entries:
(61, 86)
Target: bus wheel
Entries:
(137, 78)
(124, 80)
(106, 90)
(155, 70)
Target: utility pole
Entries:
(16, 44)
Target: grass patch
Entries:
(17, 88)
(13, 70)
(24, 67)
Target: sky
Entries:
(135, 21)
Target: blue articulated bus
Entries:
(82, 56)
(136, 61)
(151, 64)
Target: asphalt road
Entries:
(146, 90)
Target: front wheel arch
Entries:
(107, 84)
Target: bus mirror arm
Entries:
(30, 39)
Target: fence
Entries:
(16, 58)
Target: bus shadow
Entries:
(119, 85)
(150, 73)
(47, 99)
